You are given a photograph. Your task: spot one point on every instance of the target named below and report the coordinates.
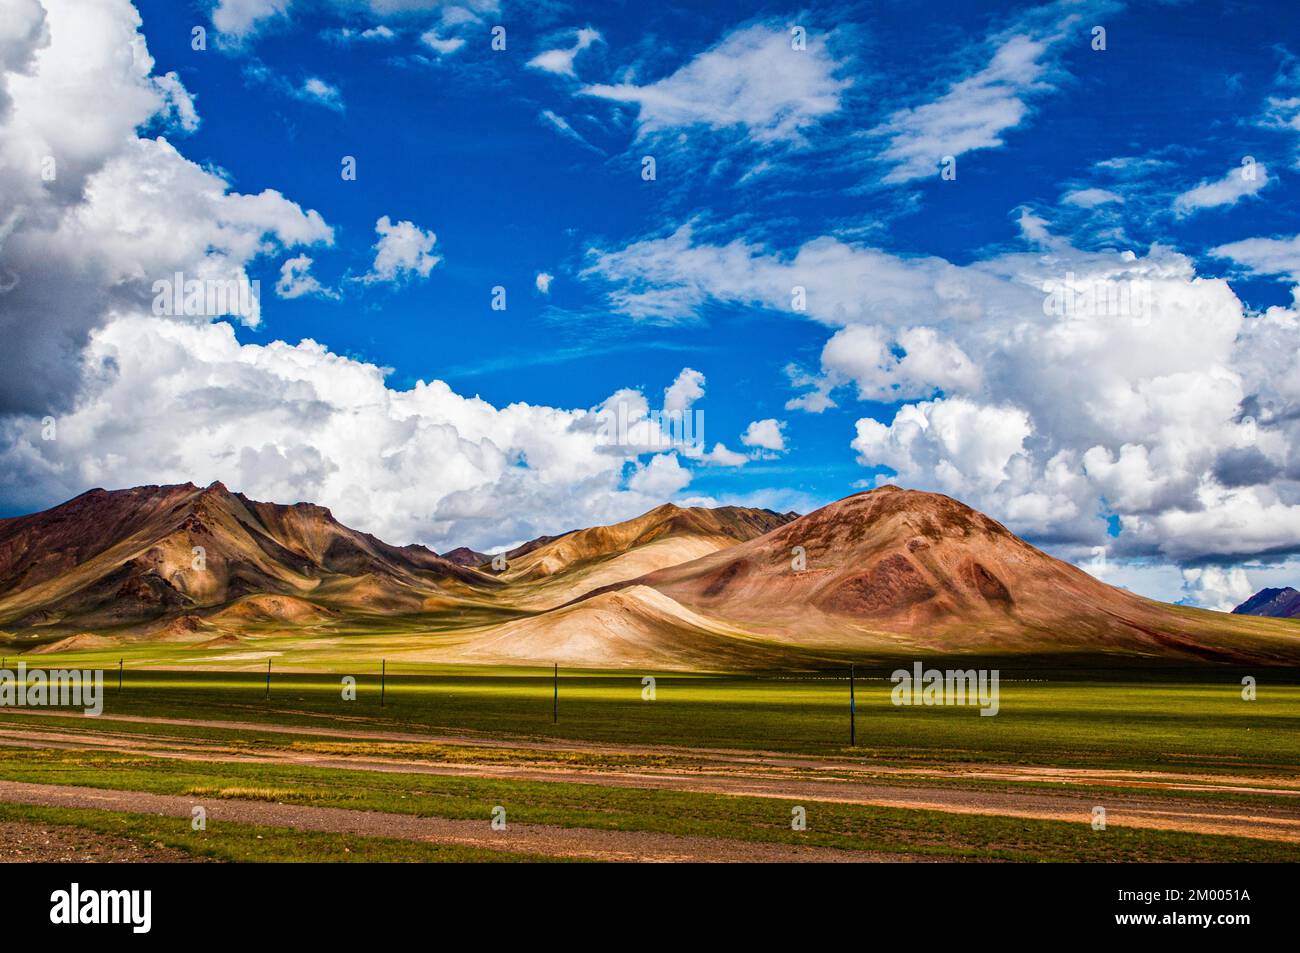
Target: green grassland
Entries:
(1192, 721)
(890, 830)
(1165, 719)
(251, 842)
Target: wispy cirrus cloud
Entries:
(314, 89)
(754, 81)
(375, 34)
(560, 60)
(553, 120)
(242, 20)
(1238, 183)
(1282, 107)
(443, 46)
(1264, 256)
(311, 89)
(973, 114)
(1092, 197)
(978, 110)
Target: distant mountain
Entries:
(1276, 603)
(523, 549)
(894, 570)
(547, 574)
(121, 558)
(885, 573)
(195, 563)
(551, 555)
(464, 556)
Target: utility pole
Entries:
(555, 706)
(383, 679)
(119, 674)
(268, 679)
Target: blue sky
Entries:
(794, 147)
(456, 145)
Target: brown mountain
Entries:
(1276, 603)
(886, 573)
(464, 556)
(565, 567)
(523, 549)
(901, 571)
(125, 557)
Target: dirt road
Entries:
(539, 839)
(757, 774)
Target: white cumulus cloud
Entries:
(1217, 587)
(1160, 401)
(316, 90)
(175, 402)
(403, 250)
(123, 211)
(684, 391)
(766, 434)
(297, 281)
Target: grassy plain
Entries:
(934, 834)
(1054, 717)
(1074, 716)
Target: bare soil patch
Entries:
(32, 842)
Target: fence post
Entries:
(853, 710)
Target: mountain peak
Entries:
(113, 558)
(666, 534)
(910, 562)
(882, 571)
(464, 556)
(663, 509)
(1281, 603)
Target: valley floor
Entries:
(1182, 770)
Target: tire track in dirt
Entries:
(1140, 811)
(538, 839)
(1175, 780)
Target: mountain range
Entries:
(882, 573)
(1276, 603)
